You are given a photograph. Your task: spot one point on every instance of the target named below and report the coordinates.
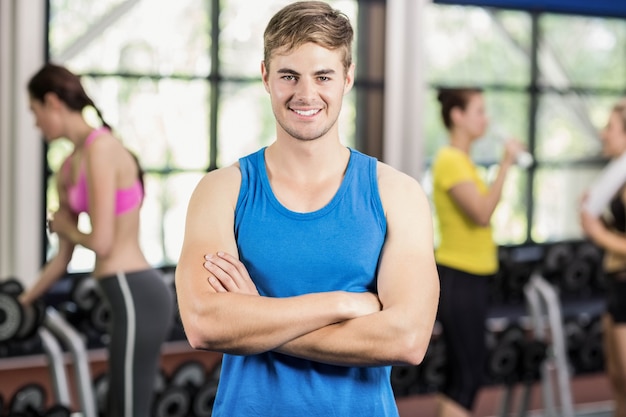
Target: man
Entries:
(308, 264)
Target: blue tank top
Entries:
(287, 254)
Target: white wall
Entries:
(22, 38)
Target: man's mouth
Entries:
(306, 112)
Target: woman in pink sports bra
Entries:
(102, 178)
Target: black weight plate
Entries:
(11, 286)
(57, 411)
(85, 293)
(203, 400)
(29, 398)
(191, 373)
(173, 402)
(100, 317)
(11, 315)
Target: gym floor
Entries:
(591, 396)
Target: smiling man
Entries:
(308, 264)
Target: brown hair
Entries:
(308, 21)
(66, 85)
(454, 97)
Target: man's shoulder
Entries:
(221, 180)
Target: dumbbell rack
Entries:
(543, 302)
(55, 328)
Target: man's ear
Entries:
(349, 79)
(265, 76)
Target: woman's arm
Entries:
(57, 266)
(480, 207)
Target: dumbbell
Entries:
(582, 269)
(18, 322)
(204, 398)
(433, 368)
(558, 257)
(28, 401)
(533, 353)
(91, 306)
(402, 377)
(57, 411)
(590, 355)
(504, 353)
(175, 399)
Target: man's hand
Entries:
(228, 274)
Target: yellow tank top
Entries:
(464, 245)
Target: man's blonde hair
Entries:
(308, 21)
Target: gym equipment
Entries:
(604, 187)
(402, 377)
(17, 322)
(28, 400)
(57, 326)
(189, 374)
(85, 293)
(433, 368)
(204, 398)
(57, 411)
(504, 353)
(543, 302)
(173, 401)
(54, 353)
(590, 357)
(558, 257)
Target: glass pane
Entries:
(508, 116)
(568, 125)
(509, 220)
(164, 121)
(242, 25)
(237, 139)
(557, 196)
(132, 36)
(582, 51)
(470, 45)
(163, 215)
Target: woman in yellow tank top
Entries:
(467, 254)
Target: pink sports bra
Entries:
(125, 199)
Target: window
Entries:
(556, 107)
(175, 81)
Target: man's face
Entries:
(306, 87)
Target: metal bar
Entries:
(72, 340)
(54, 354)
(535, 308)
(558, 344)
